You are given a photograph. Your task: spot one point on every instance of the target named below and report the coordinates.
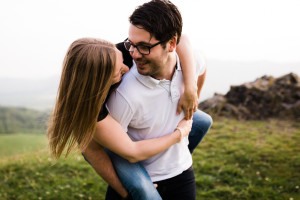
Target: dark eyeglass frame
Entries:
(137, 46)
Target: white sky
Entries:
(35, 34)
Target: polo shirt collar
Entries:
(150, 82)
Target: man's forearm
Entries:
(102, 164)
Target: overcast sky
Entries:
(35, 34)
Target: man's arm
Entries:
(189, 99)
(102, 164)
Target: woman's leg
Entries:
(201, 124)
(134, 178)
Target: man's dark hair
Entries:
(160, 18)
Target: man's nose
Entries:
(136, 54)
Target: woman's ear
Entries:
(173, 44)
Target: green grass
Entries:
(236, 160)
(14, 144)
(249, 160)
(28, 172)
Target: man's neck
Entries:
(168, 68)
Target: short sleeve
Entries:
(102, 114)
(120, 109)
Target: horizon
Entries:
(41, 93)
(37, 34)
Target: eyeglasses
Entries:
(142, 49)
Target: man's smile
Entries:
(141, 64)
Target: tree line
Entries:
(22, 120)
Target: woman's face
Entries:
(120, 67)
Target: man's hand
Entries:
(188, 102)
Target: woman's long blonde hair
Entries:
(85, 81)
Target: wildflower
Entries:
(257, 173)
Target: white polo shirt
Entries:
(146, 108)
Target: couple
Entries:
(94, 112)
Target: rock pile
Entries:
(266, 97)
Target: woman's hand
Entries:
(185, 127)
(188, 102)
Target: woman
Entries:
(90, 68)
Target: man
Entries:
(146, 101)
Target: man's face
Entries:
(152, 64)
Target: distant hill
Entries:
(22, 120)
(40, 93)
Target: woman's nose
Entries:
(125, 69)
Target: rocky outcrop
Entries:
(266, 97)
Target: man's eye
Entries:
(143, 48)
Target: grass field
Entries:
(236, 160)
(17, 144)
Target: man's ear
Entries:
(173, 44)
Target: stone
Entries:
(266, 97)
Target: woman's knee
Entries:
(202, 120)
(208, 121)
